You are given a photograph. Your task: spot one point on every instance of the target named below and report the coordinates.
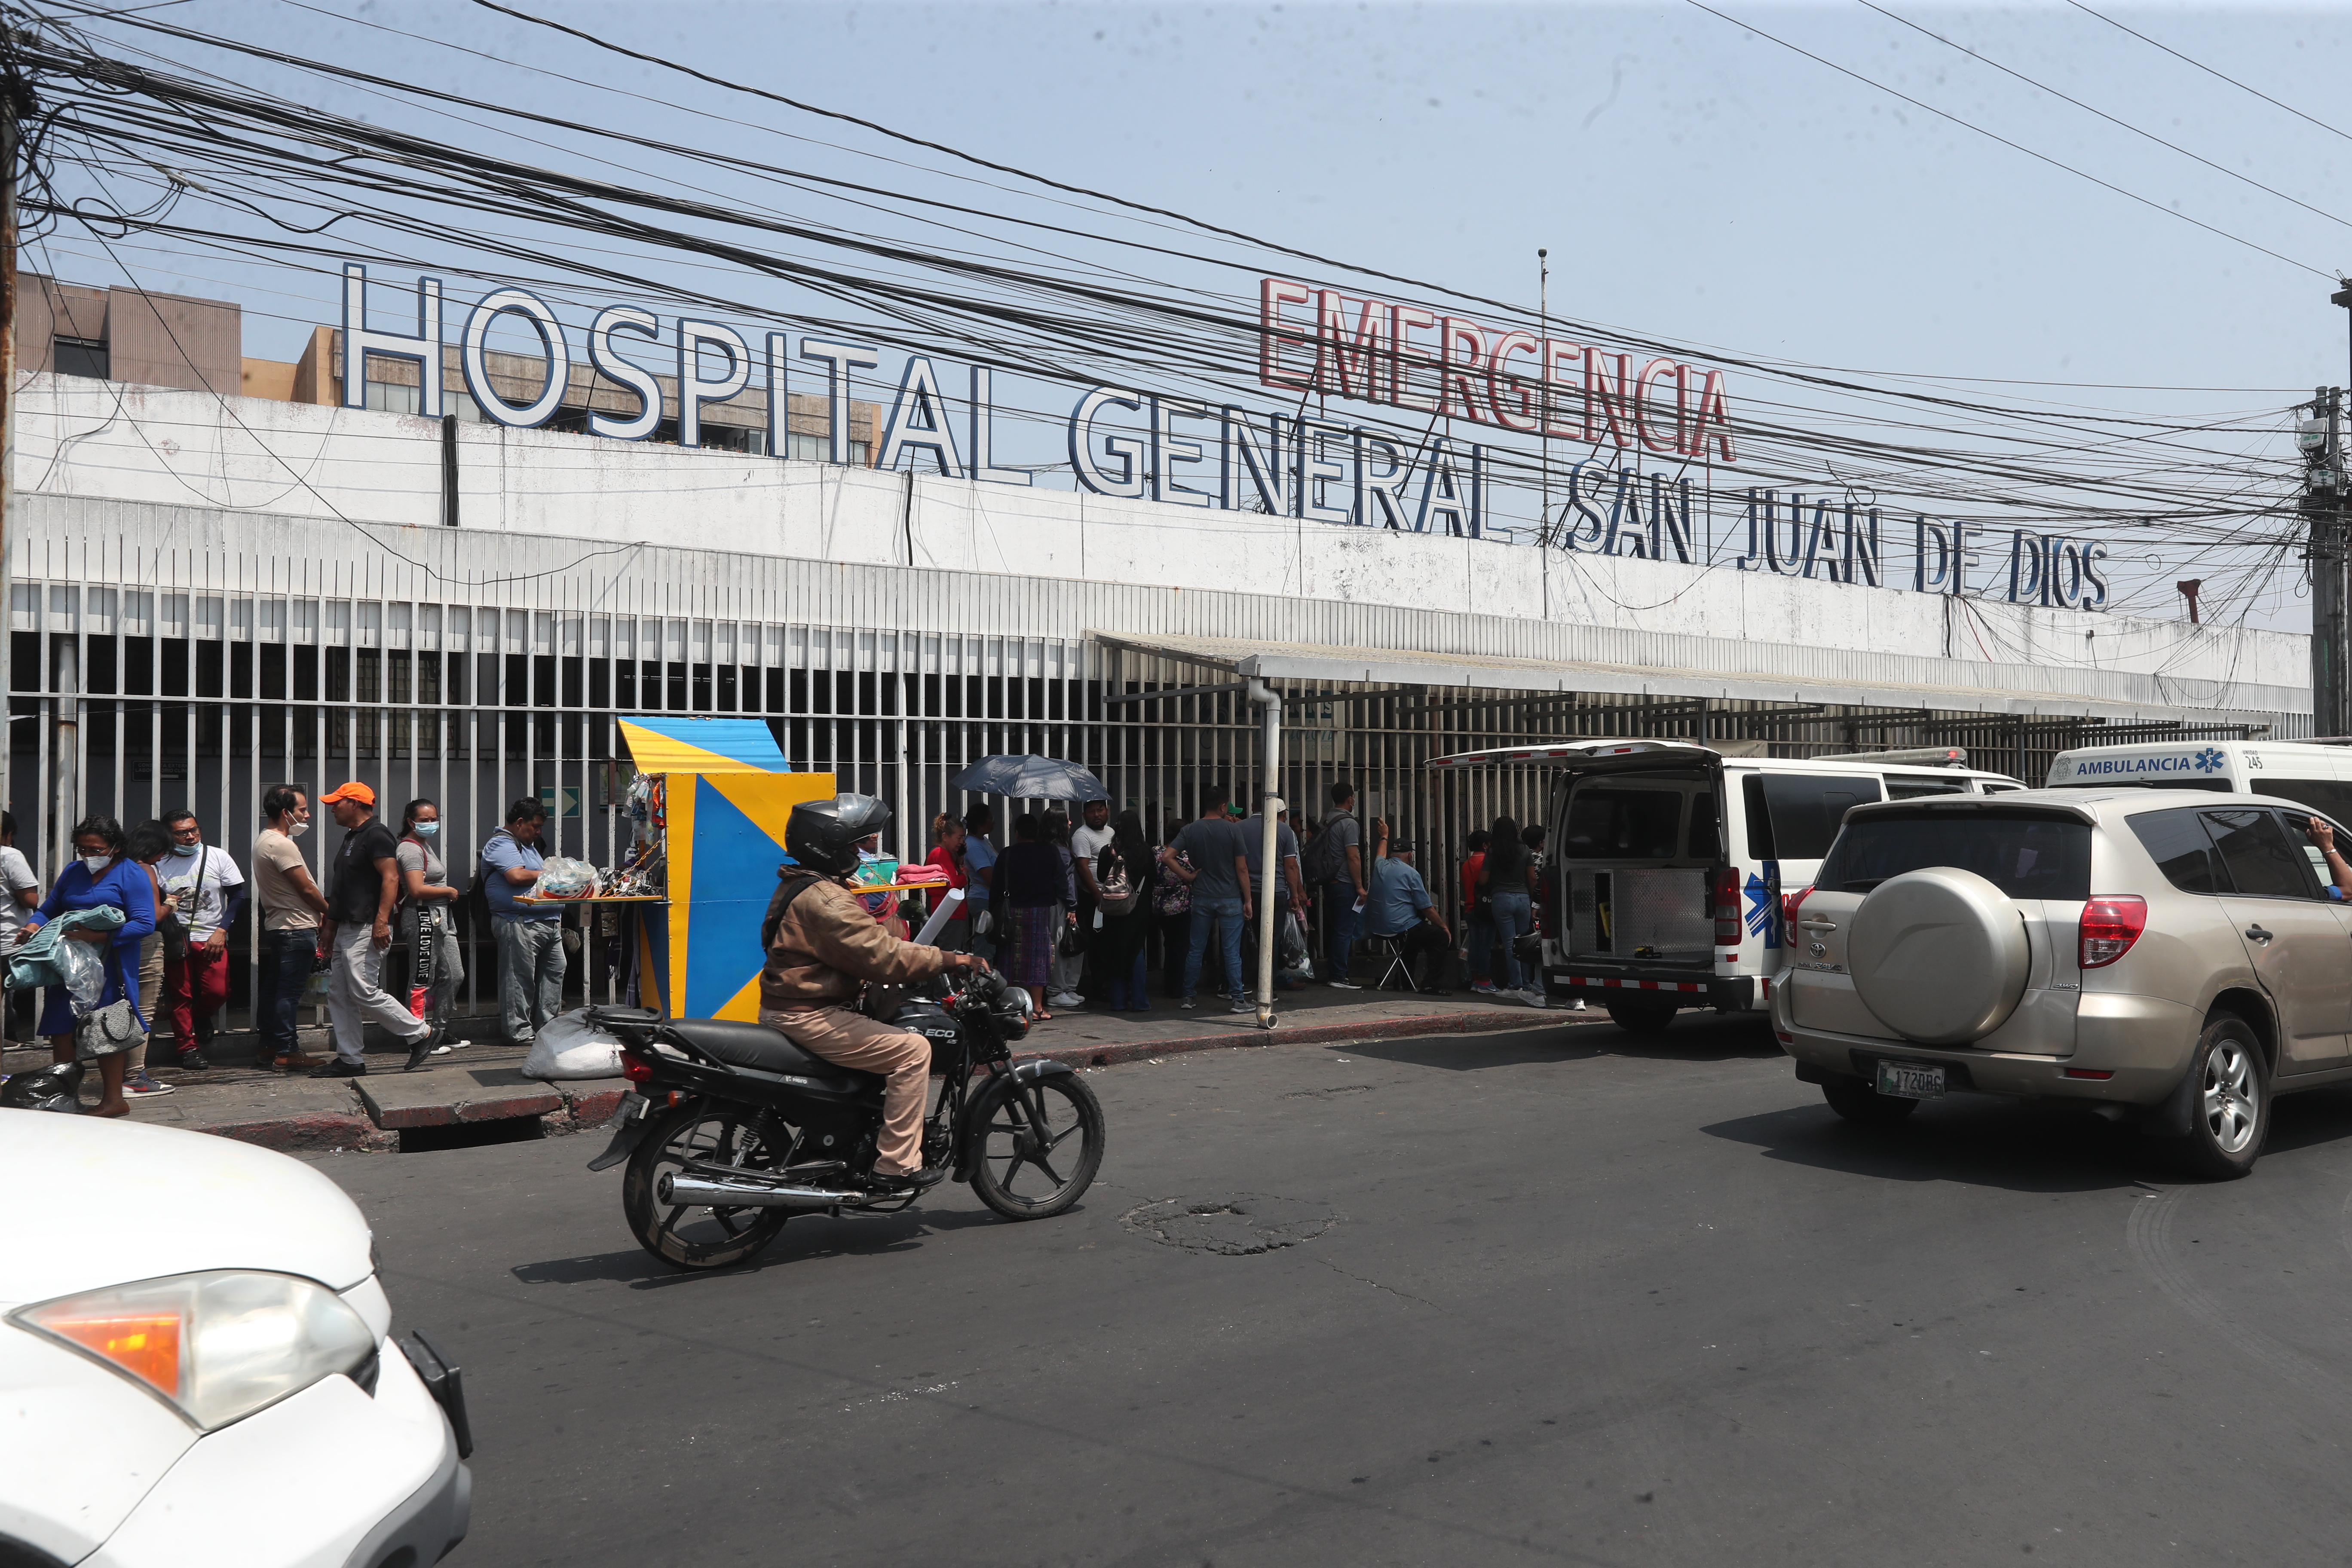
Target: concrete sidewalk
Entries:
(483, 1082)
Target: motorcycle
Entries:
(730, 1129)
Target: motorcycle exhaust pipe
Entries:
(749, 1193)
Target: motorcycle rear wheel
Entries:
(1025, 1167)
(683, 1234)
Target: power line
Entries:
(2013, 146)
(2103, 114)
(2209, 70)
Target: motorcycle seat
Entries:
(763, 1050)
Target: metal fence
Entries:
(176, 696)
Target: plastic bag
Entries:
(564, 877)
(85, 974)
(568, 1046)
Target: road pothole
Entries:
(1231, 1226)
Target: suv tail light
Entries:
(1792, 902)
(2110, 925)
(1723, 894)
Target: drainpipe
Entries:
(1269, 704)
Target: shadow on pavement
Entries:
(805, 1237)
(1557, 1037)
(2321, 1117)
(1978, 1141)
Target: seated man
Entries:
(1399, 907)
(821, 944)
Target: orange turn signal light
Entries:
(144, 1344)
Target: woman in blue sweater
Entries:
(102, 876)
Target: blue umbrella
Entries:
(1030, 778)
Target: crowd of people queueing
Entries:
(1090, 906)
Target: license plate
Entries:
(1906, 1081)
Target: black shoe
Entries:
(194, 1061)
(340, 1069)
(422, 1049)
(921, 1181)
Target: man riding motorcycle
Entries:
(821, 944)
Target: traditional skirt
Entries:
(1034, 933)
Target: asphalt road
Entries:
(1547, 1296)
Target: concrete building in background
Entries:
(146, 339)
(232, 585)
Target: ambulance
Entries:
(2317, 773)
(1665, 861)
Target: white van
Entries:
(2314, 773)
(1665, 861)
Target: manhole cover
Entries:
(1231, 1226)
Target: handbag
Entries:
(1173, 896)
(171, 921)
(1117, 892)
(1073, 943)
(109, 1031)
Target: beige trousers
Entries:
(850, 1039)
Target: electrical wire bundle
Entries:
(127, 146)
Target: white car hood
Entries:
(102, 1203)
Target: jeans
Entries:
(286, 961)
(1341, 920)
(1225, 915)
(354, 997)
(530, 975)
(1514, 918)
(1478, 942)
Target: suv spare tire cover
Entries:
(1938, 954)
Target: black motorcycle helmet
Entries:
(823, 834)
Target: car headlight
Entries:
(215, 1346)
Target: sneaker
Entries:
(1578, 1006)
(340, 1069)
(421, 1049)
(1484, 988)
(139, 1086)
(1066, 999)
(1240, 1004)
(1343, 986)
(1533, 998)
(1186, 1004)
(195, 1061)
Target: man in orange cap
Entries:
(357, 929)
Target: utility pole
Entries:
(1543, 393)
(2320, 435)
(8, 428)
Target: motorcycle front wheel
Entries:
(683, 1234)
(1039, 1149)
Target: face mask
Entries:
(296, 829)
(188, 851)
(426, 829)
(96, 865)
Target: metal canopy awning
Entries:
(1397, 667)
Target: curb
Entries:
(1486, 1020)
(562, 1109)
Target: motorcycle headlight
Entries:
(215, 1346)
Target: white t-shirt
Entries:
(1087, 843)
(15, 873)
(200, 915)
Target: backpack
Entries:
(1173, 896)
(1326, 859)
(793, 882)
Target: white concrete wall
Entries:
(102, 440)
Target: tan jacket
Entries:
(826, 943)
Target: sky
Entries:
(1691, 177)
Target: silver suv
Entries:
(2168, 958)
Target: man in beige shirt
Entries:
(291, 907)
(822, 946)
